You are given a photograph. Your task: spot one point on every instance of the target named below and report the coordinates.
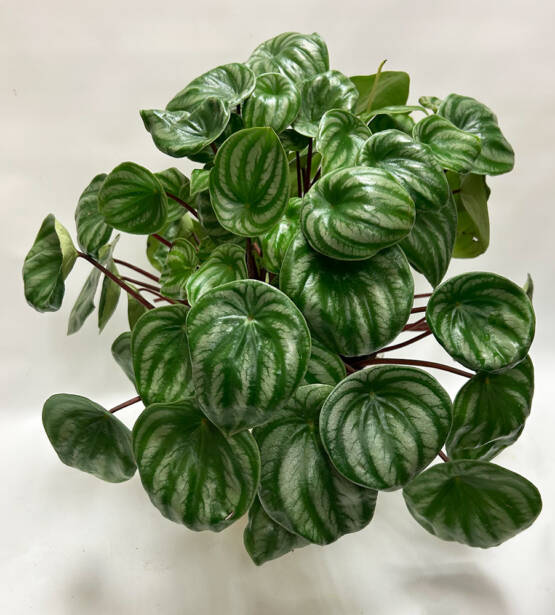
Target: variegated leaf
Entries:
(174, 182)
(275, 242)
(92, 231)
(207, 217)
(200, 179)
(121, 351)
(324, 366)
(180, 263)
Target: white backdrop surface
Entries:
(74, 75)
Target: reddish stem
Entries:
(183, 203)
(251, 265)
(430, 364)
(162, 240)
(157, 294)
(124, 404)
(443, 456)
(151, 276)
(418, 325)
(141, 284)
(406, 343)
(422, 295)
(299, 180)
(416, 310)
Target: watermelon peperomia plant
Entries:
(269, 376)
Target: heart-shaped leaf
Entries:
(182, 133)
(226, 263)
(121, 351)
(87, 437)
(231, 83)
(47, 265)
(340, 138)
(133, 200)
(392, 121)
(192, 473)
(160, 351)
(274, 102)
(174, 182)
(412, 165)
(466, 113)
(249, 347)
(453, 148)
(275, 242)
(329, 90)
(384, 424)
(208, 219)
(353, 213)
(180, 263)
(264, 539)
(356, 307)
(383, 89)
(200, 180)
(490, 411)
(473, 502)
(299, 488)
(297, 56)
(429, 245)
(324, 366)
(92, 231)
(248, 184)
(483, 320)
(471, 195)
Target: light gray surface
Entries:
(74, 75)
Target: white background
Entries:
(73, 76)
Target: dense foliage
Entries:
(284, 263)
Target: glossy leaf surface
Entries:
(121, 351)
(180, 263)
(109, 297)
(92, 231)
(174, 182)
(381, 90)
(324, 366)
(200, 179)
(471, 197)
(208, 219)
(275, 242)
(84, 304)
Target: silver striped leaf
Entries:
(356, 307)
(180, 263)
(297, 56)
(353, 213)
(383, 425)
(191, 472)
(454, 149)
(490, 411)
(249, 186)
(231, 83)
(412, 165)
(200, 179)
(87, 437)
(274, 102)
(483, 320)
(466, 113)
(250, 348)
(92, 231)
(324, 366)
(475, 503)
(429, 245)
(225, 264)
(340, 138)
(299, 487)
(207, 217)
(160, 351)
(174, 182)
(275, 242)
(329, 90)
(121, 351)
(133, 200)
(430, 102)
(264, 539)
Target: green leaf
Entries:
(200, 179)
(299, 488)
(353, 213)
(92, 231)
(208, 219)
(249, 348)
(249, 182)
(324, 366)
(133, 200)
(429, 245)
(192, 473)
(297, 56)
(471, 196)
(109, 297)
(231, 83)
(454, 149)
(340, 138)
(430, 102)
(157, 252)
(528, 287)
(134, 311)
(293, 141)
(226, 263)
(160, 351)
(329, 90)
(264, 539)
(84, 304)
(121, 351)
(490, 411)
(180, 263)
(383, 89)
(391, 110)
(275, 242)
(47, 265)
(174, 182)
(383, 425)
(496, 155)
(483, 320)
(356, 307)
(411, 164)
(391, 121)
(183, 133)
(87, 437)
(473, 502)
(274, 102)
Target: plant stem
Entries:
(417, 325)
(251, 265)
(213, 148)
(316, 177)
(422, 295)
(430, 364)
(308, 171)
(443, 456)
(124, 404)
(151, 276)
(116, 279)
(163, 241)
(183, 203)
(406, 343)
(157, 294)
(140, 283)
(416, 310)
(299, 180)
